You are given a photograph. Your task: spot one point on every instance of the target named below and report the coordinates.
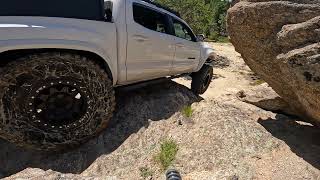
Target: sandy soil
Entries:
(224, 139)
(227, 80)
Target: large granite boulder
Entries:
(280, 41)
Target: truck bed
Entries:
(81, 9)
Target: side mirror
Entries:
(201, 37)
(108, 9)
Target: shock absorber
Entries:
(173, 174)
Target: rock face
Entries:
(280, 41)
(39, 174)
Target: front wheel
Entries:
(201, 79)
(53, 101)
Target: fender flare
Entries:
(206, 53)
(37, 44)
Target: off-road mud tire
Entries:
(25, 76)
(201, 80)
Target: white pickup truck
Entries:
(61, 60)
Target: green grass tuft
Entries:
(145, 172)
(187, 111)
(167, 154)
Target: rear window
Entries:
(81, 9)
(182, 31)
(150, 18)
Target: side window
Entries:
(150, 18)
(182, 31)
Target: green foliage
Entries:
(167, 154)
(204, 16)
(222, 39)
(187, 111)
(195, 12)
(145, 172)
(219, 11)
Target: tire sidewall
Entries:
(16, 125)
(199, 78)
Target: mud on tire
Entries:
(53, 101)
(201, 79)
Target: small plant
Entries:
(167, 154)
(145, 172)
(187, 111)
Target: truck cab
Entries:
(158, 42)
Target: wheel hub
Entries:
(59, 105)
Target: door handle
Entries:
(140, 38)
(180, 45)
(191, 58)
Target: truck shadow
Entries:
(135, 109)
(302, 138)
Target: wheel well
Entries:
(210, 58)
(11, 55)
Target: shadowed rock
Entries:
(280, 41)
(263, 96)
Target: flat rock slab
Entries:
(266, 98)
(225, 138)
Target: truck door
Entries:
(187, 53)
(150, 48)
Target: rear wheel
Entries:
(202, 79)
(53, 101)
